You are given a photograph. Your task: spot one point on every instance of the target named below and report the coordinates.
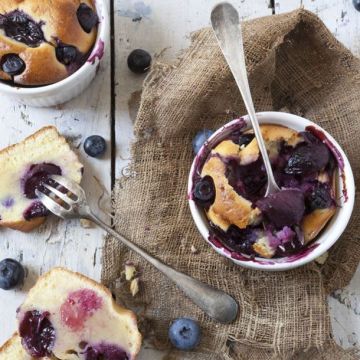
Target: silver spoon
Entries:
(226, 25)
(216, 303)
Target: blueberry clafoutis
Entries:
(231, 182)
(43, 42)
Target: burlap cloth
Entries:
(294, 63)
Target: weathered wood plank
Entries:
(58, 243)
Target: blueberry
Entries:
(356, 4)
(319, 197)
(244, 139)
(66, 54)
(139, 61)
(95, 145)
(86, 17)
(37, 333)
(200, 138)
(12, 64)
(21, 27)
(36, 209)
(204, 191)
(11, 274)
(184, 334)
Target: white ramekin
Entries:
(73, 85)
(327, 237)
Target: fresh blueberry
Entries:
(66, 54)
(12, 64)
(86, 17)
(356, 4)
(11, 274)
(95, 145)
(139, 61)
(200, 138)
(184, 334)
(204, 191)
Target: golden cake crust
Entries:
(60, 23)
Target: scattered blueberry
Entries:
(12, 64)
(356, 4)
(66, 54)
(36, 209)
(200, 138)
(11, 274)
(184, 334)
(204, 191)
(37, 333)
(87, 17)
(21, 27)
(95, 145)
(139, 61)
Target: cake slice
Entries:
(24, 167)
(69, 316)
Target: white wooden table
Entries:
(103, 109)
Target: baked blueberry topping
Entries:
(185, 333)
(12, 64)
(36, 209)
(87, 17)
(105, 351)
(37, 333)
(204, 191)
(307, 159)
(78, 307)
(21, 27)
(284, 208)
(95, 145)
(66, 54)
(139, 61)
(11, 274)
(319, 197)
(244, 139)
(36, 176)
(200, 138)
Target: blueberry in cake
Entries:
(44, 42)
(231, 185)
(68, 316)
(25, 167)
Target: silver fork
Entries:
(216, 303)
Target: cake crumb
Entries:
(130, 271)
(194, 250)
(322, 258)
(134, 286)
(86, 224)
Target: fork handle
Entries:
(216, 303)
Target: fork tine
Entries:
(59, 194)
(70, 185)
(52, 205)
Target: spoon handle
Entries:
(226, 25)
(216, 303)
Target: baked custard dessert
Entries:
(43, 42)
(69, 316)
(24, 167)
(231, 185)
